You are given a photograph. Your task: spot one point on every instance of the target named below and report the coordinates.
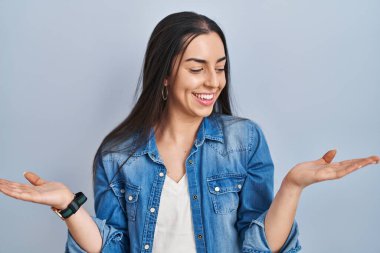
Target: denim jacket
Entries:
(230, 179)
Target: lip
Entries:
(204, 102)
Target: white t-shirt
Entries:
(174, 229)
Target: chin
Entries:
(203, 113)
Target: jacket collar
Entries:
(210, 128)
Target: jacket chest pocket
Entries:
(224, 190)
(127, 194)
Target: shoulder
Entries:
(125, 145)
(231, 123)
(239, 131)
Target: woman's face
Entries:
(200, 78)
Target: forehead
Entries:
(205, 46)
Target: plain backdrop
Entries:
(306, 71)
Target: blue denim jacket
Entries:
(230, 179)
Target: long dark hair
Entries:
(168, 40)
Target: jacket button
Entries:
(152, 210)
(239, 186)
(191, 161)
(195, 196)
(161, 174)
(217, 189)
(200, 236)
(130, 197)
(146, 246)
(122, 190)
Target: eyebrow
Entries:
(204, 61)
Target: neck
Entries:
(177, 130)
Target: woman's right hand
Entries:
(54, 194)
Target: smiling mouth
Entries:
(205, 96)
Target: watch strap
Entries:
(76, 203)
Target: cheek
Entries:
(222, 81)
(188, 81)
(193, 78)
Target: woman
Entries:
(180, 173)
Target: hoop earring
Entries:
(164, 96)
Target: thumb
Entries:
(33, 178)
(328, 157)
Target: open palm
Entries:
(44, 192)
(323, 169)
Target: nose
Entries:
(212, 79)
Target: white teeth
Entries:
(204, 96)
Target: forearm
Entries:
(84, 231)
(280, 216)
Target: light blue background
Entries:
(306, 71)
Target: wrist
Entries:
(78, 200)
(66, 201)
(290, 187)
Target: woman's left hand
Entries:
(323, 169)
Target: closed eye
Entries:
(196, 70)
(199, 70)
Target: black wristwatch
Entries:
(72, 208)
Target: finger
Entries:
(327, 158)
(19, 191)
(357, 163)
(351, 161)
(373, 159)
(4, 182)
(338, 170)
(18, 194)
(33, 178)
(351, 167)
(5, 187)
(16, 187)
(14, 184)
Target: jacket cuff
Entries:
(73, 247)
(256, 241)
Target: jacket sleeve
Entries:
(110, 219)
(256, 197)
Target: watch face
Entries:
(57, 212)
